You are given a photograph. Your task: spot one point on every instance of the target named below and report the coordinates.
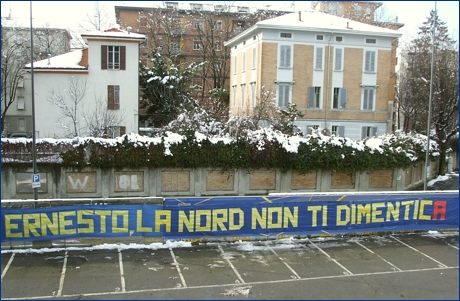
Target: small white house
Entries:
(90, 90)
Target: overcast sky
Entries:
(67, 14)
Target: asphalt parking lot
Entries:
(397, 266)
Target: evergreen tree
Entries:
(165, 89)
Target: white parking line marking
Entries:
(398, 269)
(439, 263)
(232, 284)
(7, 265)
(455, 247)
(346, 270)
(178, 268)
(231, 265)
(285, 263)
(64, 268)
(122, 273)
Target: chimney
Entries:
(129, 29)
(49, 59)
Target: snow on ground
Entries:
(442, 178)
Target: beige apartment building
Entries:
(336, 70)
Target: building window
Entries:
(340, 98)
(311, 128)
(196, 6)
(197, 45)
(254, 58)
(21, 82)
(332, 9)
(314, 97)
(319, 37)
(338, 59)
(338, 39)
(175, 48)
(218, 46)
(285, 56)
(113, 97)
(286, 35)
(218, 25)
(116, 131)
(369, 64)
(113, 57)
(21, 103)
(198, 24)
(371, 41)
(217, 67)
(368, 99)
(234, 95)
(142, 21)
(338, 130)
(235, 64)
(283, 95)
(243, 68)
(319, 58)
(357, 10)
(368, 131)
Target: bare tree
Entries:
(99, 120)
(15, 54)
(100, 19)
(69, 103)
(414, 85)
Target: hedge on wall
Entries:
(263, 148)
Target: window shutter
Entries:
(122, 57)
(311, 97)
(104, 57)
(110, 97)
(116, 97)
(341, 131)
(338, 59)
(372, 58)
(365, 99)
(363, 132)
(319, 58)
(370, 100)
(282, 56)
(286, 96)
(122, 130)
(287, 56)
(343, 98)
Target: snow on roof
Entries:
(113, 33)
(66, 60)
(311, 20)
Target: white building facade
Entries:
(89, 91)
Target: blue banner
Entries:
(236, 216)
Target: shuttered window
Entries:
(113, 57)
(319, 58)
(369, 65)
(338, 59)
(340, 98)
(113, 97)
(368, 131)
(314, 97)
(285, 56)
(283, 95)
(368, 98)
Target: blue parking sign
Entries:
(36, 181)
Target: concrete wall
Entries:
(145, 182)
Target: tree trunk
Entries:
(442, 162)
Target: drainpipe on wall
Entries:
(329, 66)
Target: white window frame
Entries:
(235, 64)
(234, 95)
(197, 45)
(285, 35)
(338, 67)
(320, 37)
(113, 57)
(254, 57)
(243, 88)
(253, 94)
(372, 41)
(243, 68)
(198, 24)
(218, 25)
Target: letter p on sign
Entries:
(36, 181)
